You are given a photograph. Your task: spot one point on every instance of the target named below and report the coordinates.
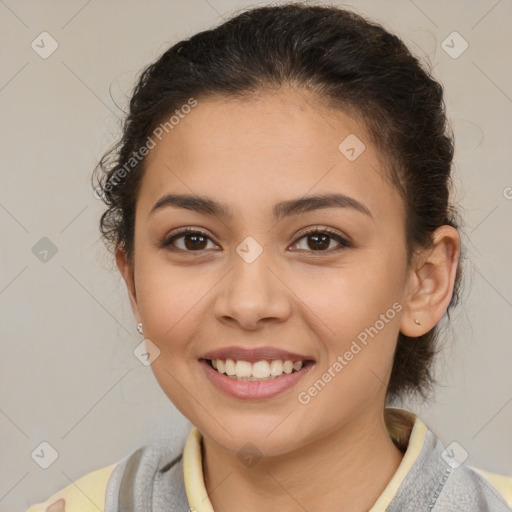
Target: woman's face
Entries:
(255, 286)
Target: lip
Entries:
(253, 390)
(253, 355)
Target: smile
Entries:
(254, 374)
(259, 371)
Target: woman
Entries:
(279, 209)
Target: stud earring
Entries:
(417, 322)
(139, 328)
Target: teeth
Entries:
(243, 369)
(287, 367)
(297, 365)
(276, 368)
(261, 370)
(229, 367)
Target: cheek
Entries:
(170, 301)
(359, 307)
(358, 356)
(349, 299)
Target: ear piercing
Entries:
(416, 321)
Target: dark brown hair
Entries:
(351, 64)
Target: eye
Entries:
(194, 240)
(319, 240)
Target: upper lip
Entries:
(253, 355)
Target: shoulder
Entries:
(500, 483)
(87, 494)
(433, 470)
(476, 489)
(98, 491)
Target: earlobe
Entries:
(431, 282)
(126, 270)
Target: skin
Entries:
(334, 452)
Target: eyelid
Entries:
(178, 233)
(341, 238)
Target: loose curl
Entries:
(351, 64)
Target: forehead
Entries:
(263, 149)
(287, 121)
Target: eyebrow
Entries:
(208, 206)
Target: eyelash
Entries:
(344, 243)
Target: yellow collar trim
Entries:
(409, 432)
(193, 474)
(405, 428)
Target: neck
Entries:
(345, 470)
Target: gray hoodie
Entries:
(151, 479)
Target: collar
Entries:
(406, 429)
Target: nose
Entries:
(252, 295)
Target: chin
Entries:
(253, 435)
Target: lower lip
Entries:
(253, 390)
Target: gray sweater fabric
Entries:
(151, 480)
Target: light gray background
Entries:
(68, 374)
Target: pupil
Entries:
(198, 239)
(323, 244)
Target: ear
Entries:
(431, 282)
(126, 269)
